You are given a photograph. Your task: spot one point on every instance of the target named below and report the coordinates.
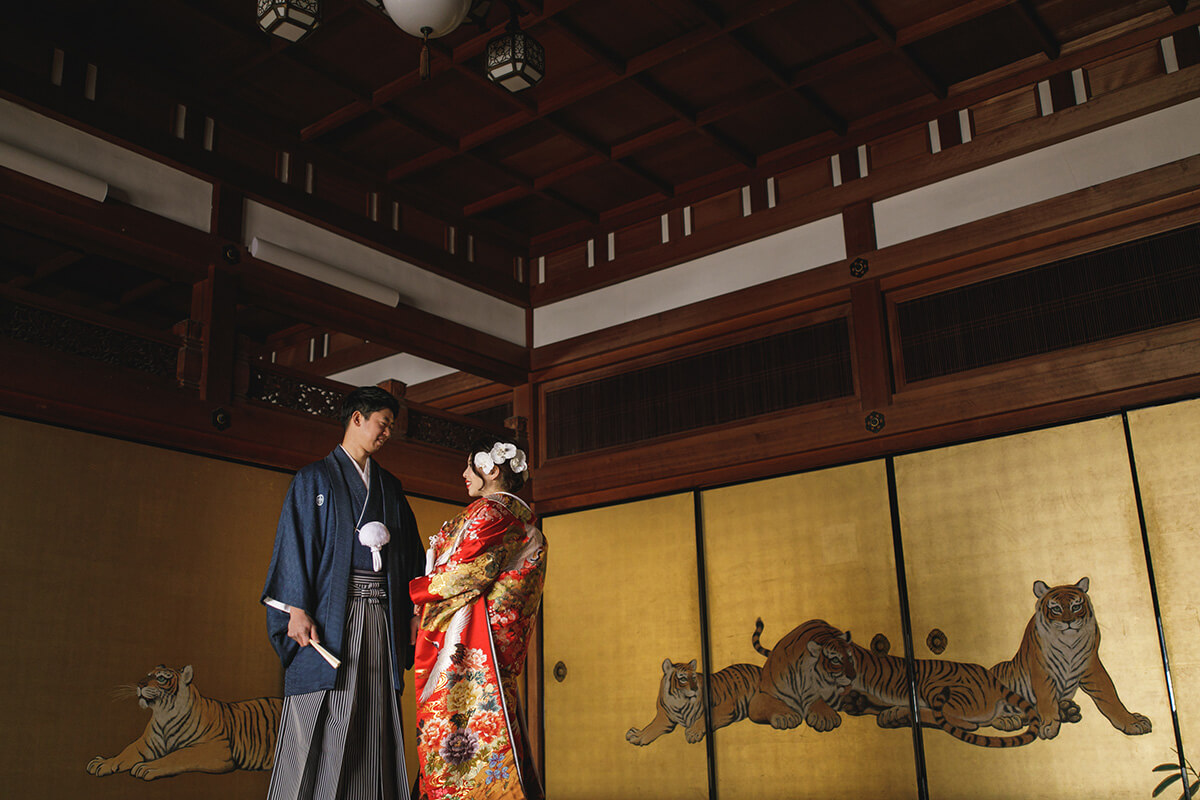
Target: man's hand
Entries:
(301, 628)
(414, 626)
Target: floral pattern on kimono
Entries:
(481, 591)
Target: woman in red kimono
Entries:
(476, 602)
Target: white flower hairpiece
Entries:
(499, 454)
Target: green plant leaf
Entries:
(1165, 768)
(1167, 781)
(1194, 788)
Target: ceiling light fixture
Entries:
(427, 19)
(515, 60)
(289, 19)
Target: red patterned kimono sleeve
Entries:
(489, 537)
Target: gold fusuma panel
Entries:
(621, 598)
(990, 530)
(810, 555)
(1166, 449)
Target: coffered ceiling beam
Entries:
(796, 81)
(47, 268)
(1178, 6)
(473, 76)
(685, 114)
(745, 15)
(446, 60)
(738, 38)
(883, 31)
(808, 150)
(955, 15)
(248, 121)
(606, 77)
(679, 109)
(832, 119)
(1035, 23)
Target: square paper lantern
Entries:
(515, 60)
(289, 19)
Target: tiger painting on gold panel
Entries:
(816, 673)
(189, 732)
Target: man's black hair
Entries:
(366, 400)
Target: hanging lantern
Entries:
(515, 60)
(289, 19)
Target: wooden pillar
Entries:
(867, 309)
(523, 424)
(870, 345)
(214, 307)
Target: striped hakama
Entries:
(347, 743)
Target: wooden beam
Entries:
(44, 386)
(142, 291)
(883, 31)
(809, 150)
(740, 40)
(682, 112)
(1135, 206)
(953, 16)
(345, 358)
(112, 230)
(403, 328)
(797, 82)
(213, 307)
(869, 336)
(608, 77)
(47, 268)
(1045, 36)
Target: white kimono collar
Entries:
(363, 472)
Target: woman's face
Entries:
(477, 486)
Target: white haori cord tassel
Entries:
(375, 535)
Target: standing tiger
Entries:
(680, 700)
(1059, 654)
(189, 732)
(804, 676)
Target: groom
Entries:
(341, 733)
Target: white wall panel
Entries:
(417, 286)
(796, 250)
(1094, 158)
(132, 178)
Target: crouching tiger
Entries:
(680, 700)
(189, 732)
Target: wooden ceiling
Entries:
(647, 105)
(644, 101)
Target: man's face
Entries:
(373, 431)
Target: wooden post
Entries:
(214, 307)
(524, 427)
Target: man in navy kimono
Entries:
(328, 589)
